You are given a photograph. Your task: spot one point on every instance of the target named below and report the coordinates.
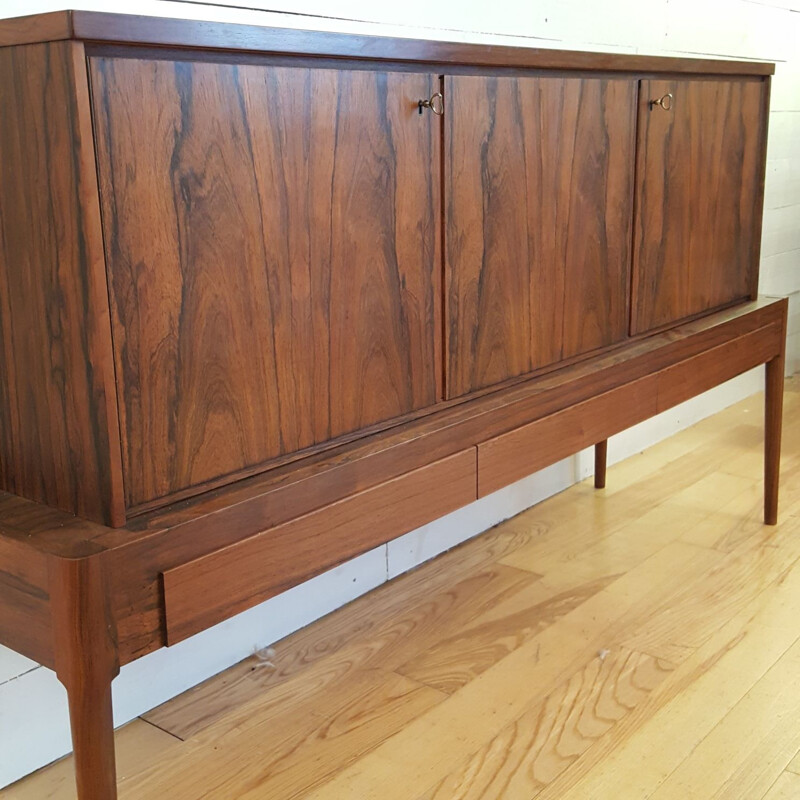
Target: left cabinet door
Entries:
(272, 243)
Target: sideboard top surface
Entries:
(112, 28)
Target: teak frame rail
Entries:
(84, 598)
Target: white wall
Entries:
(33, 722)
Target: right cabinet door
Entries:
(538, 188)
(698, 197)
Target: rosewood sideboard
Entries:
(271, 298)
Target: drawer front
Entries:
(519, 453)
(210, 589)
(704, 371)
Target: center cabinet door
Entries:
(272, 239)
(538, 188)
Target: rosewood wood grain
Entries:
(47, 530)
(699, 170)
(109, 27)
(25, 623)
(373, 459)
(600, 463)
(86, 662)
(60, 437)
(210, 589)
(33, 539)
(53, 26)
(538, 191)
(272, 241)
(758, 197)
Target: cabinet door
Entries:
(539, 179)
(698, 197)
(272, 247)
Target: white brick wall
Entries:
(33, 725)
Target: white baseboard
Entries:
(33, 712)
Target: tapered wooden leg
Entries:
(92, 724)
(773, 418)
(86, 661)
(600, 456)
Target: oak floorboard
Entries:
(384, 641)
(750, 747)
(750, 462)
(787, 787)
(426, 751)
(586, 553)
(737, 434)
(453, 661)
(691, 616)
(138, 744)
(283, 749)
(582, 517)
(533, 750)
(733, 521)
(646, 747)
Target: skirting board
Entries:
(34, 728)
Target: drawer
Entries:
(713, 367)
(518, 453)
(212, 588)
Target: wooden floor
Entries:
(638, 642)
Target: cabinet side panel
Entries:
(25, 616)
(60, 437)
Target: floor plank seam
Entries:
(163, 730)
